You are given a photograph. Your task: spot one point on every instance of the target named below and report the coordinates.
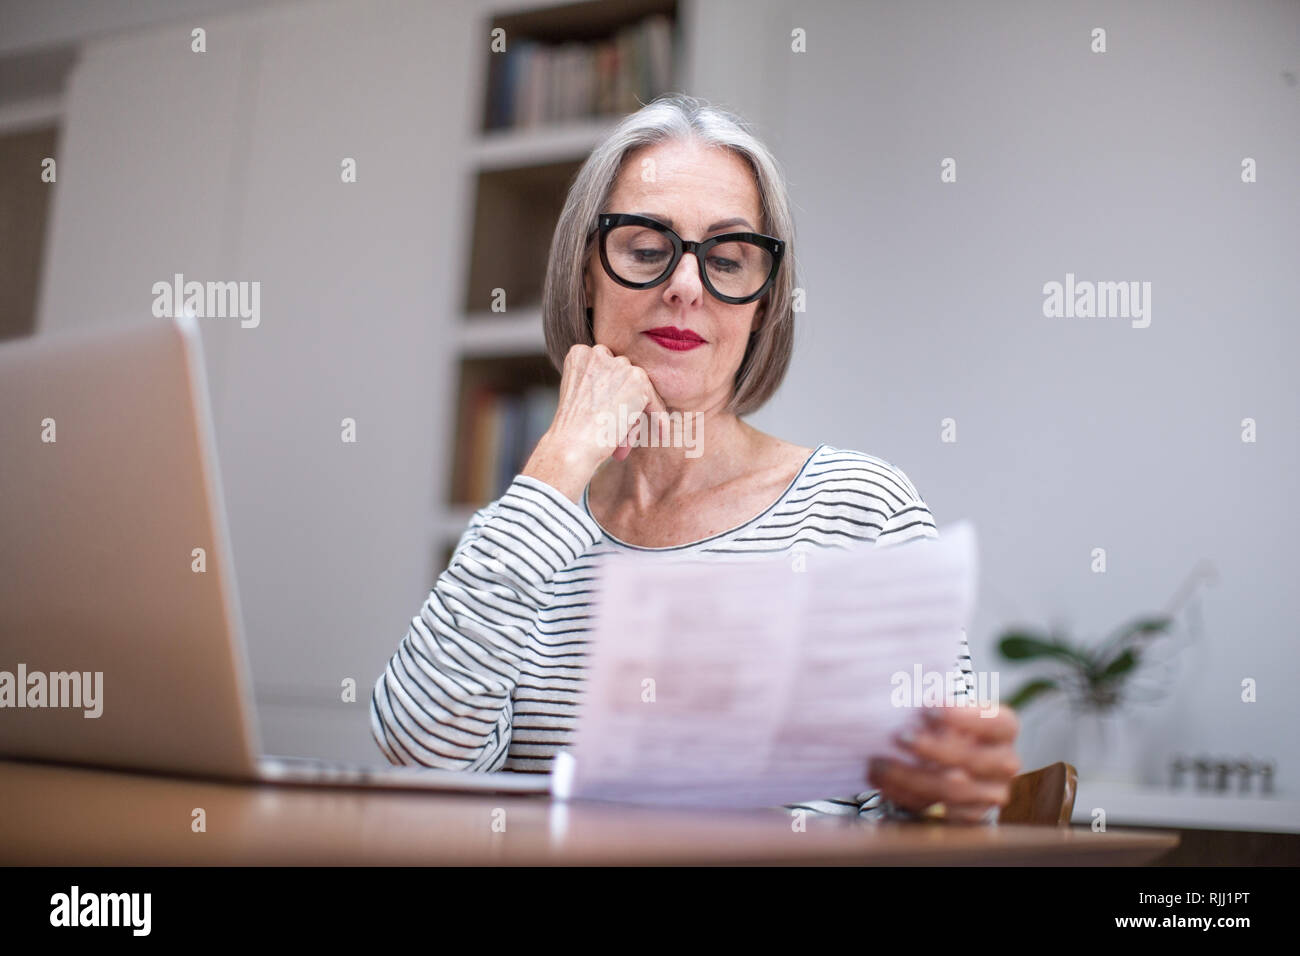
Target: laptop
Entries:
(121, 643)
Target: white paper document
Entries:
(762, 681)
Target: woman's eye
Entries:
(723, 265)
(648, 255)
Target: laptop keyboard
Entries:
(318, 770)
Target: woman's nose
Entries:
(687, 273)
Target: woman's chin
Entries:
(668, 385)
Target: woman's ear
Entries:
(757, 322)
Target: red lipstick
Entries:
(675, 339)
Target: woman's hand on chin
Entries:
(596, 416)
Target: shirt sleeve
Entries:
(910, 521)
(445, 700)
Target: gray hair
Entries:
(674, 117)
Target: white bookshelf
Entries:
(508, 148)
(495, 164)
(450, 523)
(489, 334)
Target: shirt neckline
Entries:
(713, 537)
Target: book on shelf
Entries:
(501, 429)
(535, 83)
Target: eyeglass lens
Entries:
(640, 254)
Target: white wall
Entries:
(226, 166)
(924, 303)
(27, 25)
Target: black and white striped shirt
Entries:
(488, 674)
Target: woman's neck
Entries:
(721, 448)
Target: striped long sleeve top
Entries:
(489, 672)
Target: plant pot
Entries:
(1106, 746)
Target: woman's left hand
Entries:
(964, 761)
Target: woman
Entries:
(640, 318)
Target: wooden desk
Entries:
(63, 816)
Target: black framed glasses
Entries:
(641, 253)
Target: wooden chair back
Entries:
(1044, 797)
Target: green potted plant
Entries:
(1099, 680)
